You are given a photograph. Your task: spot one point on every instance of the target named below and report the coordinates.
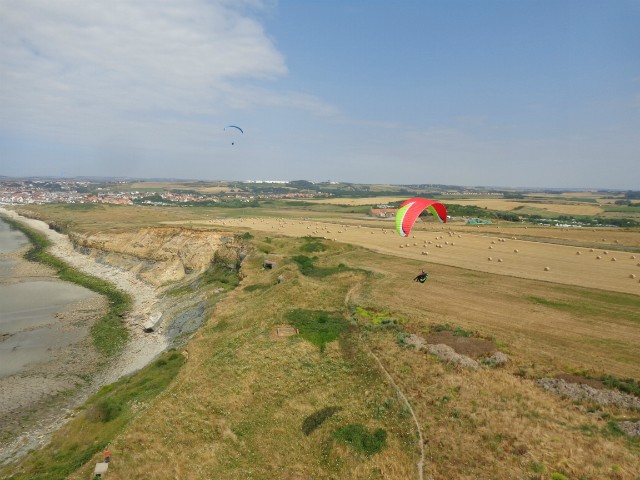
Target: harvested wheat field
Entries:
(555, 206)
(486, 252)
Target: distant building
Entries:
(383, 212)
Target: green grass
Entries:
(101, 419)
(317, 326)
(362, 439)
(376, 317)
(308, 267)
(220, 275)
(594, 303)
(313, 244)
(621, 209)
(456, 330)
(109, 332)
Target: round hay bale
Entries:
(490, 247)
(578, 253)
(452, 243)
(408, 245)
(489, 258)
(493, 242)
(401, 246)
(613, 259)
(598, 257)
(515, 250)
(632, 276)
(633, 257)
(499, 259)
(415, 244)
(591, 249)
(546, 269)
(605, 252)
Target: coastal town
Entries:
(23, 192)
(129, 192)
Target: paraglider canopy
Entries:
(411, 209)
(232, 127)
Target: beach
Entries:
(36, 397)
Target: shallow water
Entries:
(29, 329)
(33, 304)
(11, 239)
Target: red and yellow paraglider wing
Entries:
(411, 209)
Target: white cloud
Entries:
(104, 68)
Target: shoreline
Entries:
(139, 351)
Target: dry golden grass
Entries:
(553, 207)
(236, 409)
(473, 249)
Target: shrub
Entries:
(313, 244)
(104, 410)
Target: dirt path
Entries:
(420, 465)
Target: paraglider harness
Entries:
(421, 277)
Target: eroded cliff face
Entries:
(161, 255)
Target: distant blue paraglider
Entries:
(233, 126)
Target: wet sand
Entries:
(35, 400)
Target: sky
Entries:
(511, 93)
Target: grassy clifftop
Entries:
(250, 404)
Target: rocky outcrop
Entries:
(161, 255)
(587, 393)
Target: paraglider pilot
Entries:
(421, 277)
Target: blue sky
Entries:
(497, 93)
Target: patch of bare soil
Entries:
(283, 331)
(469, 346)
(569, 378)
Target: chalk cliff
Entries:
(160, 255)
